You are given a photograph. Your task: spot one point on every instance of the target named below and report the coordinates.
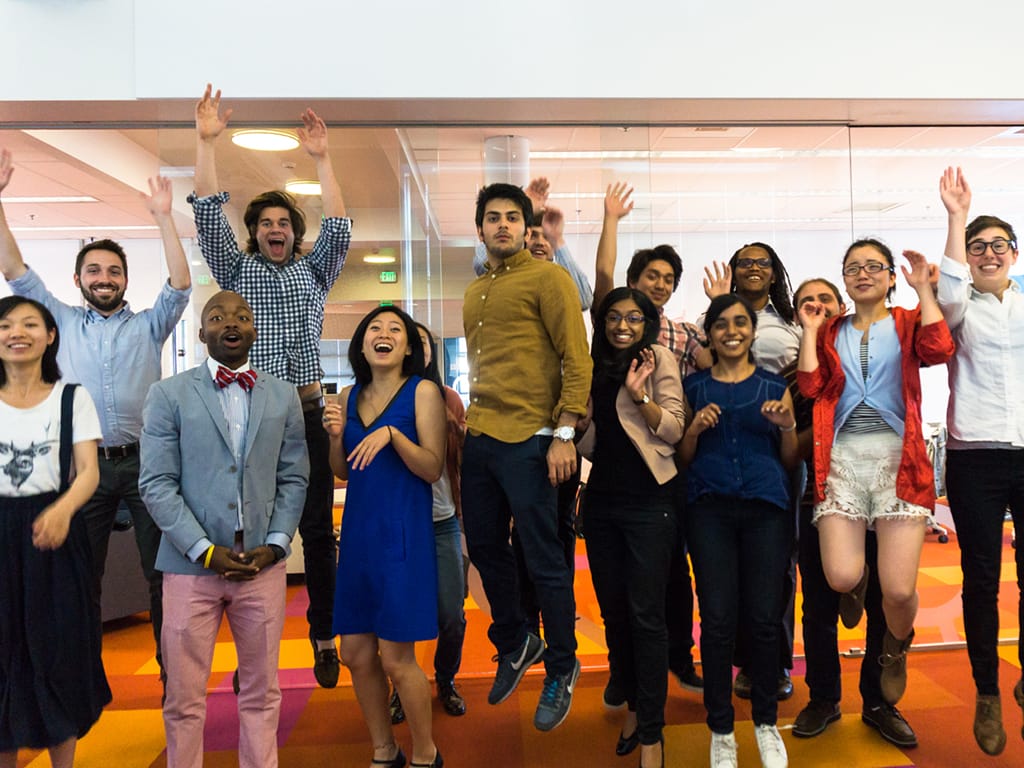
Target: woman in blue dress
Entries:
(387, 435)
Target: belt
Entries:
(313, 404)
(118, 451)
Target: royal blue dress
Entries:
(387, 564)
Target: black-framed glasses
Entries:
(999, 246)
(872, 268)
(633, 318)
(747, 263)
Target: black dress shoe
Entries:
(785, 689)
(815, 718)
(398, 761)
(438, 762)
(326, 664)
(627, 744)
(888, 721)
(451, 701)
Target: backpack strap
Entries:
(67, 417)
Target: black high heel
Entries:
(627, 744)
(438, 762)
(398, 761)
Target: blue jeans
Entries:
(316, 526)
(451, 597)
(981, 483)
(740, 549)
(502, 483)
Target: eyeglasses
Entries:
(872, 268)
(747, 263)
(999, 246)
(633, 318)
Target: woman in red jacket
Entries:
(871, 467)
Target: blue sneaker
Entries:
(556, 699)
(512, 667)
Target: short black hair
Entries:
(412, 364)
(275, 198)
(51, 371)
(101, 245)
(780, 290)
(503, 192)
(645, 256)
(613, 363)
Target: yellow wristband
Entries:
(209, 557)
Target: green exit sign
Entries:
(202, 279)
(388, 276)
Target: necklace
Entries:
(371, 401)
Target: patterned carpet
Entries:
(324, 728)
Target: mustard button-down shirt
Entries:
(527, 349)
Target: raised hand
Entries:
(160, 197)
(6, 168)
(209, 122)
(553, 225)
(920, 273)
(313, 134)
(333, 418)
(538, 193)
(779, 414)
(812, 315)
(616, 200)
(639, 372)
(719, 283)
(955, 192)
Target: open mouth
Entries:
(383, 347)
(232, 339)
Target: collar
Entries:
(97, 317)
(523, 257)
(212, 365)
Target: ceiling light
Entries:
(101, 228)
(265, 140)
(53, 199)
(378, 258)
(303, 187)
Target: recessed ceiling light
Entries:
(303, 187)
(265, 140)
(52, 199)
(378, 258)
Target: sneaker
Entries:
(395, 708)
(815, 718)
(1018, 694)
(771, 746)
(851, 604)
(894, 666)
(451, 701)
(512, 667)
(888, 721)
(556, 699)
(741, 685)
(614, 697)
(988, 724)
(723, 750)
(326, 664)
(689, 680)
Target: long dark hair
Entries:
(717, 306)
(51, 371)
(611, 363)
(432, 372)
(412, 364)
(780, 291)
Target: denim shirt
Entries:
(883, 389)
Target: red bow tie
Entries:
(245, 379)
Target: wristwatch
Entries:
(643, 400)
(565, 434)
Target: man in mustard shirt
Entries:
(529, 378)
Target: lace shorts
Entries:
(861, 482)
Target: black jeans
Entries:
(630, 543)
(502, 483)
(740, 548)
(980, 484)
(316, 526)
(820, 617)
(119, 482)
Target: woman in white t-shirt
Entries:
(52, 685)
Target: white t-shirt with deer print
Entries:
(30, 442)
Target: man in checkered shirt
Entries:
(286, 291)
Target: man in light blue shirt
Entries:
(115, 354)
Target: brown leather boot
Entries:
(894, 666)
(988, 725)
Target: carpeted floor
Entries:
(324, 727)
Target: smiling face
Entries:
(539, 245)
(657, 281)
(23, 335)
(817, 292)
(990, 271)
(102, 280)
(503, 231)
(866, 287)
(274, 234)
(386, 341)
(753, 272)
(228, 330)
(624, 324)
(732, 333)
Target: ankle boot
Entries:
(894, 666)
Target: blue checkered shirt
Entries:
(287, 300)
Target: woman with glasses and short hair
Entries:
(870, 463)
(985, 449)
(636, 399)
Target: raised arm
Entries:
(554, 227)
(11, 263)
(313, 136)
(919, 277)
(158, 201)
(616, 205)
(956, 197)
(209, 125)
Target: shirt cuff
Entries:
(208, 200)
(197, 550)
(954, 268)
(282, 540)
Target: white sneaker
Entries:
(723, 750)
(771, 746)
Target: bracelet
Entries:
(209, 557)
(788, 429)
(391, 436)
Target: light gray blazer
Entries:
(188, 475)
